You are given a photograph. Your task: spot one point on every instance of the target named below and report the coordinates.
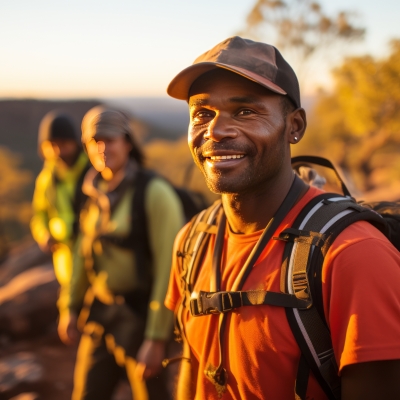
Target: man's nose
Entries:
(221, 127)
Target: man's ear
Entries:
(297, 121)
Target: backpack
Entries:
(138, 238)
(307, 242)
(390, 211)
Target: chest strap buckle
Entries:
(215, 303)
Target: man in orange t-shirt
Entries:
(245, 111)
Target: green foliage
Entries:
(358, 124)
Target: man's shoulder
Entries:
(360, 233)
(354, 232)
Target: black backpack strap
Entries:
(309, 329)
(139, 234)
(309, 239)
(78, 199)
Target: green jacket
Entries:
(54, 216)
(53, 212)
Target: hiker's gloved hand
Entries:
(67, 328)
(149, 358)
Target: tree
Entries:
(300, 28)
(358, 123)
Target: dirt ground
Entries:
(34, 364)
(57, 361)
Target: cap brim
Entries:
(180, 85)
(108, 133)
(102, 133)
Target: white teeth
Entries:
(232, 157)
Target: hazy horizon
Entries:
(90, 50)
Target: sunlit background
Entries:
(77, 54)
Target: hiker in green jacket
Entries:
(121, 266)
(57, 194)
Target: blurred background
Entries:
(78, 54)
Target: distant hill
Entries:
(166, 118)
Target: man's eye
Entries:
(201, 116)
(245, 112)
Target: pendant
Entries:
(218, 377)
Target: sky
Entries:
(133, 48)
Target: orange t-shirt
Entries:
(361, 281)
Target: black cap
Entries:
(58, 125)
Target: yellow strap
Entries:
(207, 228)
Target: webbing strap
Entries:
(195, 240)
(215, 283)
(305, 241)
(207, 228)
(309, 234)
(303, 372)
(222, 302)
(296, 191)
(324, 163)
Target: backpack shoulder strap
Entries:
(308, 241)
(139, 236)
(79, 198)
(137, 239)
(190, 255)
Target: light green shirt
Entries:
(164, 217)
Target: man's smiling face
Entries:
(237, 132)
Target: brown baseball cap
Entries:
(259, 62)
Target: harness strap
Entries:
(296, 191)
(303, 372)
(222, 302)
(196, 239)
(215, 283)
(306, 242)
(325, 163)
(207, 228)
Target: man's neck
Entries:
(250, 212)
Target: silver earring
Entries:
(296, 139)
